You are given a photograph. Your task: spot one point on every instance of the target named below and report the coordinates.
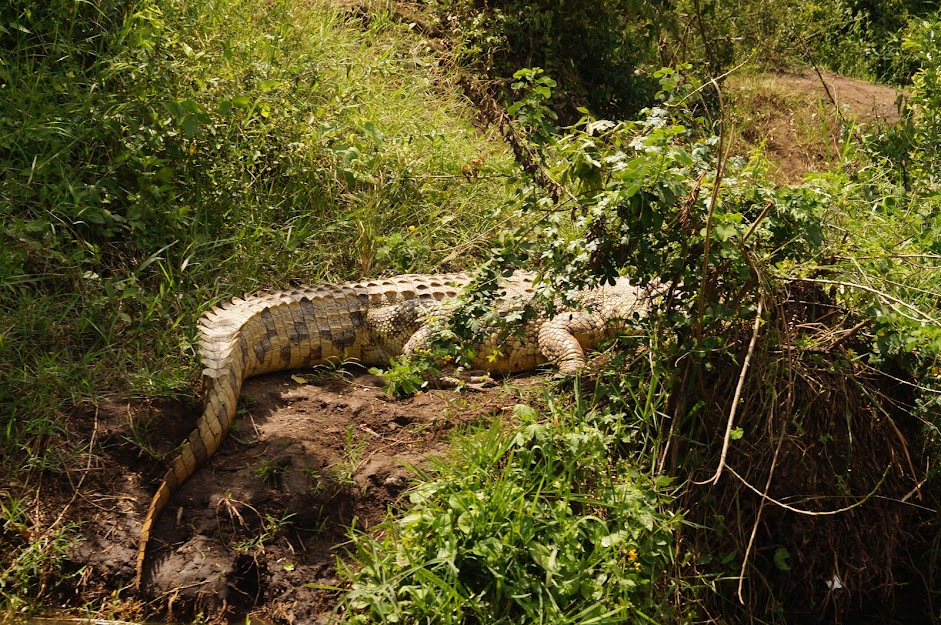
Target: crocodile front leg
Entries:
(564, 338)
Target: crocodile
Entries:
(370, 322)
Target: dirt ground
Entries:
(797, 118)
(310, 456)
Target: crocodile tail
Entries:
(202, 443)
(225, 358)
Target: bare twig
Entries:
(846, 335)
(881, 294)
(826, 88)
(781, 504)
(761, 217)
(738, 394)
(754, 529)
(714, 81)
(725, 149)
(881, 256)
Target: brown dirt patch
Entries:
(322, 456)
(798, 117)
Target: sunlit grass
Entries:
(159, 155)
(540, 523)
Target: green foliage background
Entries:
(159, 154)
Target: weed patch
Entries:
(536, 525)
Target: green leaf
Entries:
(37, 225)
(781, 556)
(613, 539)
(190, 106)
(736, 434)
(191, 126)
(374, 133)
(491, 549)
(524, 412)
(465, 522)
(724, 232)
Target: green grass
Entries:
(199, 150)
(159, 155)
(544, 522)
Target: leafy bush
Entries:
(649, 198)
(661, 198)
(867, 42)
(541, 526)
(924, 120)
(853, 37)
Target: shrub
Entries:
(599, 51)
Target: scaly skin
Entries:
(369, 322)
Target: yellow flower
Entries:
(632, 556)
(411, 228)
(418, 393)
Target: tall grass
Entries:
(157, 155)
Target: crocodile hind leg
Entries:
(422, 342)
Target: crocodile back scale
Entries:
(370, 322)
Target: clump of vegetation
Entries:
(783, 385)
(857, 38)
(604, 53)
(33, 561)
(601, 63)
(544, 524)
(156, 155)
